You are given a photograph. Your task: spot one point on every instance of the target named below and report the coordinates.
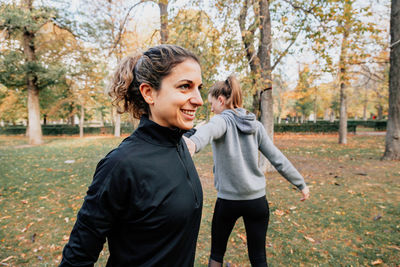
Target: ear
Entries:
(147, 92)
(221, 100)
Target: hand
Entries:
(306, 193)
(190, 145)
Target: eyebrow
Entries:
(184, 80)
(188, 81)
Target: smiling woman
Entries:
(175, 104)
(146, 197)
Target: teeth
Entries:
(189, 112)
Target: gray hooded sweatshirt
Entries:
(236, 137)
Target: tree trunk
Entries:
(264, 55)
(392, 146)
(315, 109)
(81, 121)
(380, 112)
(332, 117)
(365, 106)
(163, 5)
(343, 115)
(34, 129)
(343, 85)
(117, 125)
(326, 115)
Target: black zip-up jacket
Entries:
(146, 199)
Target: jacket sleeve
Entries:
(278, 160)
(102, 205)
(212, 130)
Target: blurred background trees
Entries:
(297, 61)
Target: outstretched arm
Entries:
(281, 163)
(212, 130)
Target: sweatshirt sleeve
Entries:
(212, 130)
(278, 160)
(103, 203)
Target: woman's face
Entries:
(175, 104)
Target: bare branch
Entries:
(122, 25)
(284, 53)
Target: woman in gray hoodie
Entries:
(236, 137)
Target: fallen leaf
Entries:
(6, 259)
(377, 262)
(394, 247)
(309, 239)
(279, 212)
(243, 237)
(27, 227)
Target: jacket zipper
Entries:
(187, 174)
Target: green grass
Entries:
(351, 219)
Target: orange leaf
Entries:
(279, 212)
(377, 262)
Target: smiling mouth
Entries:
(188, 112)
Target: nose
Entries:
(196, 99)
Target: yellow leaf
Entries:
(377, 262)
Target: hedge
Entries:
(311, 127)
(63, 129)
(319, 126)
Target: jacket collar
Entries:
(157, 134)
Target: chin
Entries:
(186, 126)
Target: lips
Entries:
(188, 112)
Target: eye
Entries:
(185, 86)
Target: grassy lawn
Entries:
(352, 218)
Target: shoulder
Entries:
(218, 118)
(119, 159)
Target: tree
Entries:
(12, 105)
(392, 146)
(255, 53)
(112, 29)
(347, 30)
(304, 93)
(86, 82)
(23, 66)
(280, 94)
(202, 38)
(163, 5)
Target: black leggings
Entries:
(255, 214)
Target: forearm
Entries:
(281, 163)
(214, 129)
(83, 247)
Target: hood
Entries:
(244, 120)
